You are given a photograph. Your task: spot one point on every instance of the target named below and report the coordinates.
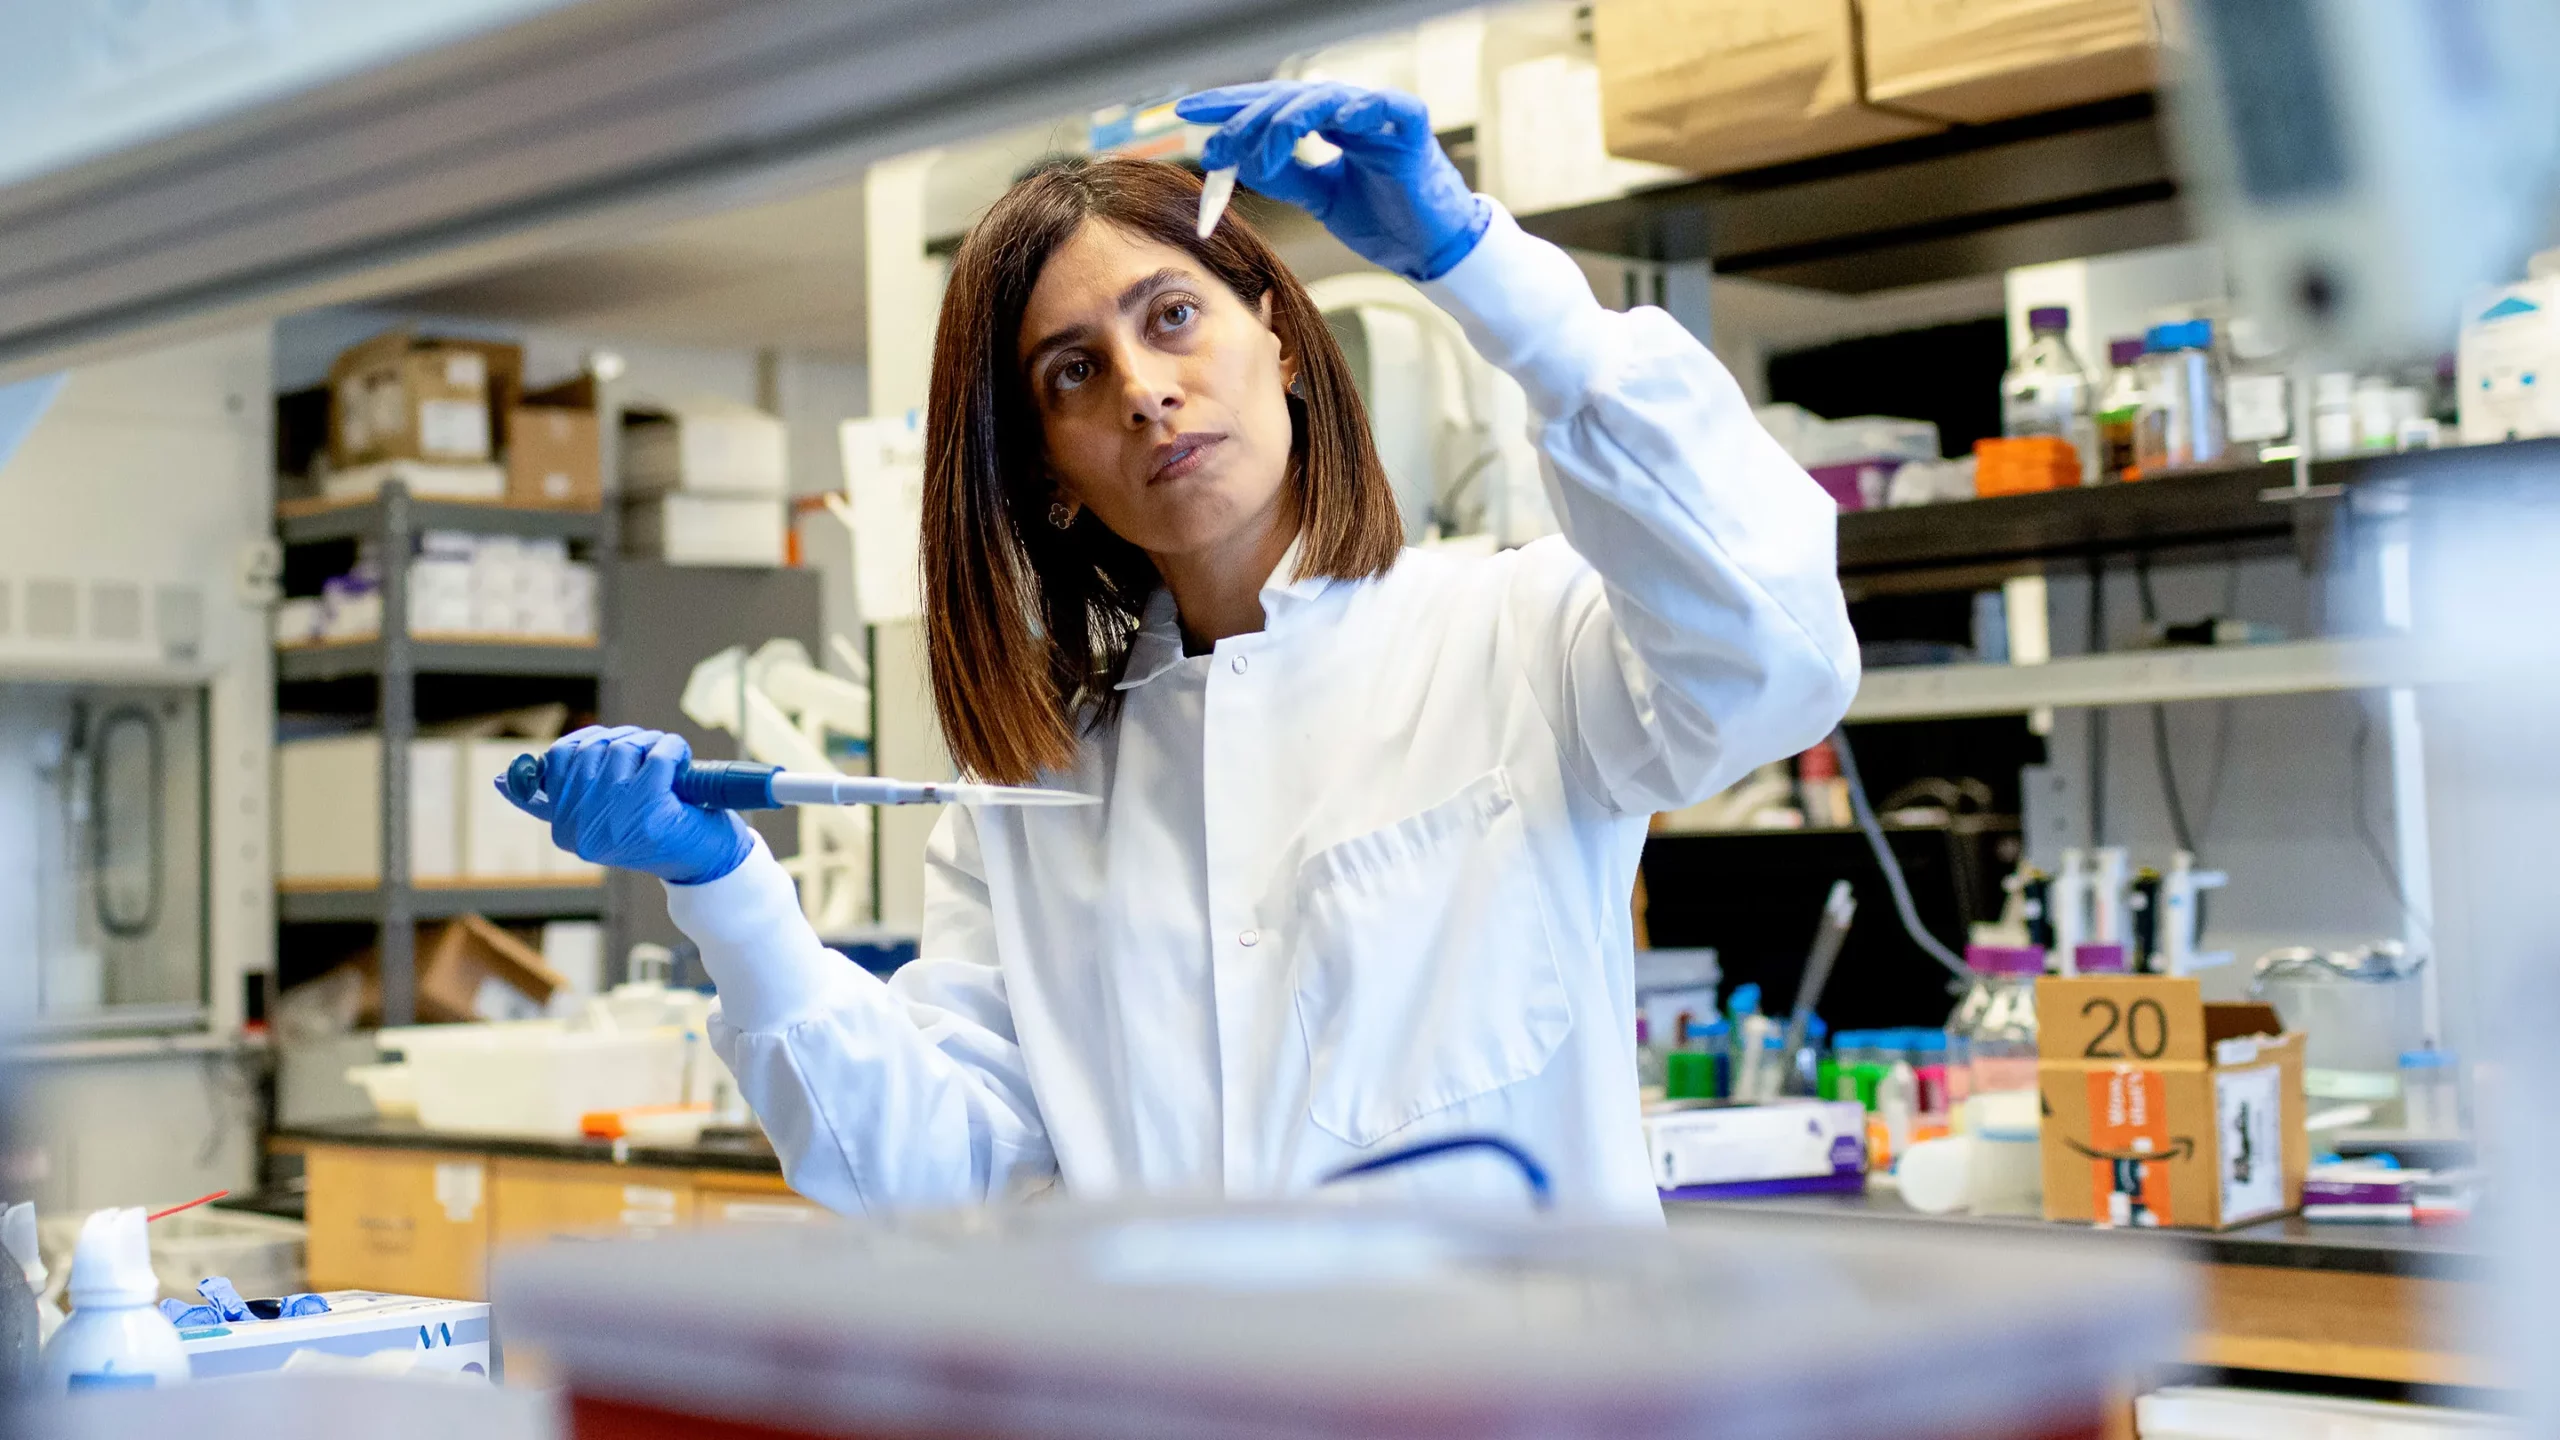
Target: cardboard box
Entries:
(403, 396)
(451, 1336)
(707, 529)
(468, 969)
(1735, 85)
(704, 448)
(2162, 1110)
(555, 449)
(1971, 61)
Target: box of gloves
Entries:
(358, 1329)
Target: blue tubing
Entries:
(1534, 1175)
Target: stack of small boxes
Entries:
(500, 585)
(459, 584)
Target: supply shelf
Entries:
(2139, 677)
(516, 655)
(532, 901)
(397, 662)
(1970, 200)
(301, 522)
(2230, 505)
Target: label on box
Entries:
(2255, 408)
(2129, 1149)
(466, 370)
(2249, 1109)
(455, 429)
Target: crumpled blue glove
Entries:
(609, 795)
(1391, 195)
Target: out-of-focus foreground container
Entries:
(1276, 1322)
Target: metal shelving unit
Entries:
(431, 655)
(443, 902)
(2143, 677)
(394, 661)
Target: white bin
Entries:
(537, 1079)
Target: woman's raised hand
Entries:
(1391, 195)
(609, 795)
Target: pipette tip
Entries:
(1216, 189)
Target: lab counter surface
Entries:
(395, 1207)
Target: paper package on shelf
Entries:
(1974, 61)
(1718, 88)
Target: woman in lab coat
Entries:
(1370, 816)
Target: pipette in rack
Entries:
(1216, 189)
(754, 785)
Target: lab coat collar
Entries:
(1157, 646)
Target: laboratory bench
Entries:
(2363, 1303)
(395, 1207)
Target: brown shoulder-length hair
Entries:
(1027, 626)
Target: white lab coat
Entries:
(1359, 879)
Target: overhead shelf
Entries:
(351, 659)
(2243, 504)
(2207, 672)
(299, 522)
(2200, 508)
(1972, 200)
(442, 902)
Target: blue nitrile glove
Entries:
(1391, 195)
(610, 797)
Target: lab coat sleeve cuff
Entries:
(769, 967)
(1527, 308)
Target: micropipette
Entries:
(1216, 189)
(753, 785)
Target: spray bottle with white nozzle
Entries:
(116, 1337)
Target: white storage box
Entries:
(536, 1079)
(449, 1336)
(707, 447)
(706, 529)
(2211, 1412)
(499, 841)
(329, 810)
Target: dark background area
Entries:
(1946, 373)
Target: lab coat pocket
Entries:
(1427, 969)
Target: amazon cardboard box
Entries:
(1735, 85)
(405, 396)
(1972, 61)
(2162, 1110)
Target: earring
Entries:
(1061, 515)
(1297, 387)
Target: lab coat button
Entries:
(1238, 665)
(1249, 939)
